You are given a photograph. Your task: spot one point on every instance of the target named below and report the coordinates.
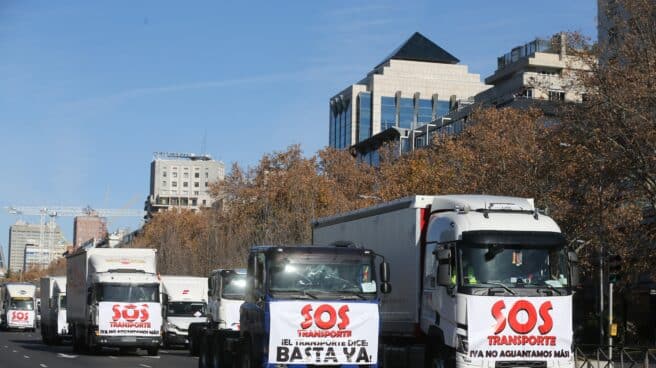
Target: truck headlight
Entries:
(171, 326)
(462, 345)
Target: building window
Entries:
(186, 175)
(331, 129)
(204, 202)
(556, 96)
(197, 175)
(164, 182)
(406, 112)
(196, 184)
(195, 192)
(175, 174)
(194, 201)
(364, 116)
(174, 183)
(207, 175)
(163, 174)
(206, 184)
(387, 113)
(527, 93)
(185, 184)
(425, 112)
(441, 108)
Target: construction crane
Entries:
(68, 211)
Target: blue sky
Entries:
(89, 90)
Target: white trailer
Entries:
(113, 299)
(17, 306)
(184, 301)
(479, 281)
(53, 309)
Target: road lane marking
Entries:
(14, 351)
(26, 356)
(112, 357)
(43, 365)
(153, 357)
(145, 366)
(62, 355)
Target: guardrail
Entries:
(614, 357)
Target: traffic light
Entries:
(614, 267)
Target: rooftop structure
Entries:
(410, 87)
(182, 180)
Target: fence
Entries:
(615, 357)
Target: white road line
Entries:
(43, 365)
(153, 357)
(14, 351)
(26, 356)
(145, 366)
(61, 355)
(6, 346)
(112, 357)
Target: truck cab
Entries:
(18, 306)
(184, 301)
(53, 311)
(311, 305)
(215, 341)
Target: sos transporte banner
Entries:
(129, 319)
(323, 333)
(520, 328)
(20, 318)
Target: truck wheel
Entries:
(247, 358)
(203, 350)
(154, 351)
(218, 356)
(193, 344)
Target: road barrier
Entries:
(588, 356)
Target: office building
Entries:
(537, 74)
(180, 180)
(21, 233)
(3, 263)
(40, 257)
(411, 87)
(87, 228)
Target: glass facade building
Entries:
(364, 116)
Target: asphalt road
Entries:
(26, 350)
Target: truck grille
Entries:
(521, 364)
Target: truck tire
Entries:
(204, 353)
(153, 351)
(218, 356)
(77, 348)
(247, 357)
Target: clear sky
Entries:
(89, 90)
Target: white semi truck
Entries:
(53, 309)
(184, 301)
(480, 281)
(17, 306)
(226, 294)
(113, 299)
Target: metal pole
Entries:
(601, 295)
(610, 321)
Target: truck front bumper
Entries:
(173, 338)
(128, 341)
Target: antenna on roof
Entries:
(203, 143)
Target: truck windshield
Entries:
(186, 309)
(21, 304)
(130, 293)
(234, 286)
(517, 266)
(346, 275)
(62, 302)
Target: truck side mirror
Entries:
(385, 286)
(573, 268)
(444, 267)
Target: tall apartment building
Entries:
(21, 234)
(90, 227)
(409, 88)
(182, 181)
(3, 263)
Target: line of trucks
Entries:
(478, 281)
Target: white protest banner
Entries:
(519, 328)
(323, 333)
(129, 319)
